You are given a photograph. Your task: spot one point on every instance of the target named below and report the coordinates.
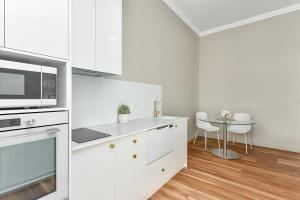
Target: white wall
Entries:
(255, 68)
(95, 100)
(159, 48)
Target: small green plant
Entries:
(123, 109)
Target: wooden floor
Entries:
(263, 174)
(33, 191)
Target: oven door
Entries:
(20, 85)
(34, 163)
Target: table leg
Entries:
(225, 153)
(225, 140)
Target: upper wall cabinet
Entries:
(1, 22)
(37, 26)
(109, 36)
(97, 35)
(83, 34)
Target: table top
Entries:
(229, 121)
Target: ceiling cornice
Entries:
(250, 20)
(182, 16)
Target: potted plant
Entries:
(123, 112)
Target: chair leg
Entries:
(205, 141)
(218, 139)
(246, 144)
(233, 139)
(250, 140)
(196, 136)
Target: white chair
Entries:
(206, 126)
(241, 129)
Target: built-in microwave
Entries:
(27, 85)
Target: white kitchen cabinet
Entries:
(109, 36)
(93, 173)
(131, 174)
(1, 22)
(159, 173)
(123, 172)
(37, 26)
(97, 36)
(180, 144)
(83, 34)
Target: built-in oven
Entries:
(27, 85)
(34, 156)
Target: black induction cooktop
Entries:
(82, 135)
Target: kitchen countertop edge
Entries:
(111, 138)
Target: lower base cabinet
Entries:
(118, 170)
(93, 173)
(159, 173)
(131, 174)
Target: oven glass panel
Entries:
(18, 84)
(28, 170)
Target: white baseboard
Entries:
(260, 144)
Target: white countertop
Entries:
(135, 126)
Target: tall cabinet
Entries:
(97, 35)
(37, 26)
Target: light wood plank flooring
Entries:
(264, 174)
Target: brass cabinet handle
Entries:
(112, 146)
(134, 141)
(163, 170)
(134, 156)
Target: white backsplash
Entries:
(95, 100)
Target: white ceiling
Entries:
(209, 16)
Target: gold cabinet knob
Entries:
(176, 125)
(134, 156)
(163, 170)
(134, 141)
(112, 146)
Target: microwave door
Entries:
(19, 85)
(49, 86)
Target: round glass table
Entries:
(226, 153)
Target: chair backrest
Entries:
(201, 116)
(244, 117)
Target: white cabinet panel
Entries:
(93, 173)
(159, 172)
(109, 36)
(131, 174)
(83, 34)
(180, 143)
(37, 26)
(1, 22)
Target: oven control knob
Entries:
(30, 122)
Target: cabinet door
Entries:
(180, 144)
(83, 34)
(37, 26)
(92, 174)
(109, 36)
(1, 22)
(131, 174)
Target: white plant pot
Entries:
(123, 118)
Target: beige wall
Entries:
(256, 68)
(159, 48)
